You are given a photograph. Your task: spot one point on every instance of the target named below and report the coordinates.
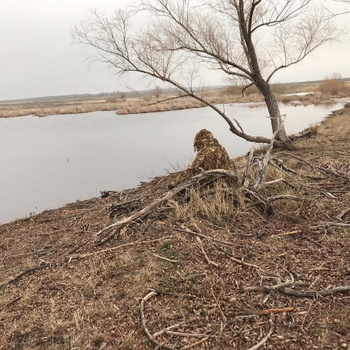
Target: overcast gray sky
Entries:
(37, 57)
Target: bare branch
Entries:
(183, 39)
(281, 11)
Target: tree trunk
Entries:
(276, 120)
(275, 117)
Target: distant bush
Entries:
(233, 90)
(251, 90)
(333, 85)
(237, 90)
(112, 99)
(279, 88)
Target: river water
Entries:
(48, 162)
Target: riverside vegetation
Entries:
(264, 263)
(159, 101)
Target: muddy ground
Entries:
(212, 269)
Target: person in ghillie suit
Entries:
(211, 155)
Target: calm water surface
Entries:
(47, 162)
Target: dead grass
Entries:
(333, 87)
(89, 297)
(218, 205)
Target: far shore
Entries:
(157, 101)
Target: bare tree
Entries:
(248, 40)
(157, 91)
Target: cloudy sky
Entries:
(37, 57)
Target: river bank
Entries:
(249, 276)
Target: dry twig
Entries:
(186, 230)
(286, 234)
(205, 253)
(273, 311)
(314, 293)
(165, 259)
(265, 339)
(241, 262)
(274, 287)
(285, 288)
(195, 344)
(331, 224)
(150, 295)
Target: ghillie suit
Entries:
(211, 155)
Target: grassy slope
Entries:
(91, 301)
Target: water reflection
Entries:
(47, 162)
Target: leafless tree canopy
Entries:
(246, 40)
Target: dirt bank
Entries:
(225, 273)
